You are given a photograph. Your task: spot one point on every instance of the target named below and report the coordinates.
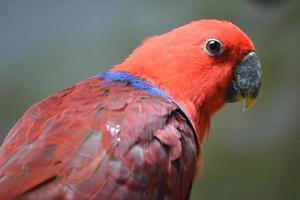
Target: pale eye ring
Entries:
(213, 47)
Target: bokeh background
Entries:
(48, 45)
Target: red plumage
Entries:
(126, 138)
(104, 142)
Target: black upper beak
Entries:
(246, 80)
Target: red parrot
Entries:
(134, 132)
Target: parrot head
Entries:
(201, 66)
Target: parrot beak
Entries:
(246, 81)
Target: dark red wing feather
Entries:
(99, 142)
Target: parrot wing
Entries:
(99, 141)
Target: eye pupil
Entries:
(214, 47)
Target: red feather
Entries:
(99, 142)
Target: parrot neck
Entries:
(193, 99)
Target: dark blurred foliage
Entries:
(48, 45)
(269, 2)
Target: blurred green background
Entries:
(47, 46)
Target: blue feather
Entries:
(123, 78)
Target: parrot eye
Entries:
(213, 47)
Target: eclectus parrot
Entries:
(134, 132)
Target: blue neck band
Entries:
(129, 80)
